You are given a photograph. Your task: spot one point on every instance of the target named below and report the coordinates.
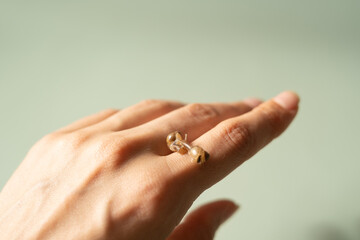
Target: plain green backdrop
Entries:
(62, 60)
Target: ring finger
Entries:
(194, 119)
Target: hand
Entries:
(111, 175)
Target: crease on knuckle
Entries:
(202, 111)
(240, 138)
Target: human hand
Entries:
(111, 175)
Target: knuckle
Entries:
(110, 110)
(72, 141)
(112, 150)
(76, 138)
(240, 138)
(149, 102)
(158, 104)
(164, 105)
(202, 111)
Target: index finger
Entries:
(235, 140)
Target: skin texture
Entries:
(111, 175)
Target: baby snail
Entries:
(177, 143)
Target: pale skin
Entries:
(112, 176)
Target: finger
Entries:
(237, 139)
(139, 114)
(252, 102)
(202, 223)
(193, 119)
(89, 120)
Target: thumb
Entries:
(202, 223)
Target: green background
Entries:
(61, 60)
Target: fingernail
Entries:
(288, 100)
